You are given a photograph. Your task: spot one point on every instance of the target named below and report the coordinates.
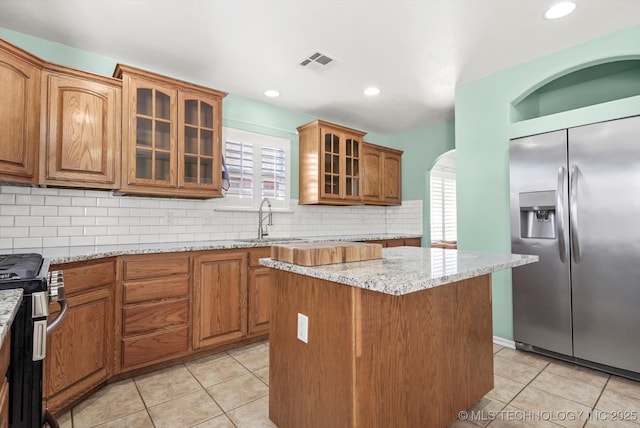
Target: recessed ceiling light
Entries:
(559, 10)
(272, 93)
(371, 91)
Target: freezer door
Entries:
(604, 164)
(539, 225)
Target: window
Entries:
(443, 203)
(258, 168)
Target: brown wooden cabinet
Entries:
(398, 242)
(330, 164)
(381, 179)
(171, 136)
(219, 298)
(81, 129)
(19, 114)
(5, 357)
(260, 287)
(80, 352)
(154, 317)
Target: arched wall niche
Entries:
(589, 84)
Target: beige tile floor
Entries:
(230, 389)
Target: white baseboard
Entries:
(504, 342)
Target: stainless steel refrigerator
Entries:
(575, 202)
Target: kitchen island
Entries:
(402, 341)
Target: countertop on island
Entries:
(404, 270)
(9, 304)
(59, 255)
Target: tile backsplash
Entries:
(33, 217)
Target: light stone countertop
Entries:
(404, 270)
(9, 304)
(60, 255)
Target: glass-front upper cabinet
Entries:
(172, 136)
(154, 131)
(198, 141)
(330, 170)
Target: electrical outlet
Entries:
(303, 328)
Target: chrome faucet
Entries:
(262, 230)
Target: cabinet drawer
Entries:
(154, 266)
(256, 254)
(157, 346)
(86, 275)
(152, 289)
(141, 318)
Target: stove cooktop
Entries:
(19, 266)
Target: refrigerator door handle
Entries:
(573, 214)
(562, 184)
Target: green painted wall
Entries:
(483, 130)
(422, 147)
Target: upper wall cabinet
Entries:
(330, 164)
(81, 129)
(381, 181)
(19, 114)
(171, 136)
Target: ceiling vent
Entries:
(318, 62)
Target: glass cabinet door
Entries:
(330, 164)
(199, 151)
(352, 167)
(153, 135)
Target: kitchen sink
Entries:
(269, 240)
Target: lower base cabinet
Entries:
(219, 298)
(80, 352)
(155, 308)
(131, 312)
(5, 356)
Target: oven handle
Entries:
(58, 319)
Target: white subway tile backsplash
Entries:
(6, 244)
(43, 210)
(59, 241)
(107, 221)
(14, 232)
(29, 200)
(16, 190)
(81, 240)
(70, 231)
(57, 221)
(15, 210)
(69, 217)
(27, 242)
(107, 201)
(44, 191)
(35, 232)
(61, 201)
(84, 201)
(119, 212)
(71, 211)
(83, 221)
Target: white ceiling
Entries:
(416, 51)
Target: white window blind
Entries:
(258, 168)
(444, 223)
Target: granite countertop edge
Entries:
(405, 270)
(60, 255)
(9, 304)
